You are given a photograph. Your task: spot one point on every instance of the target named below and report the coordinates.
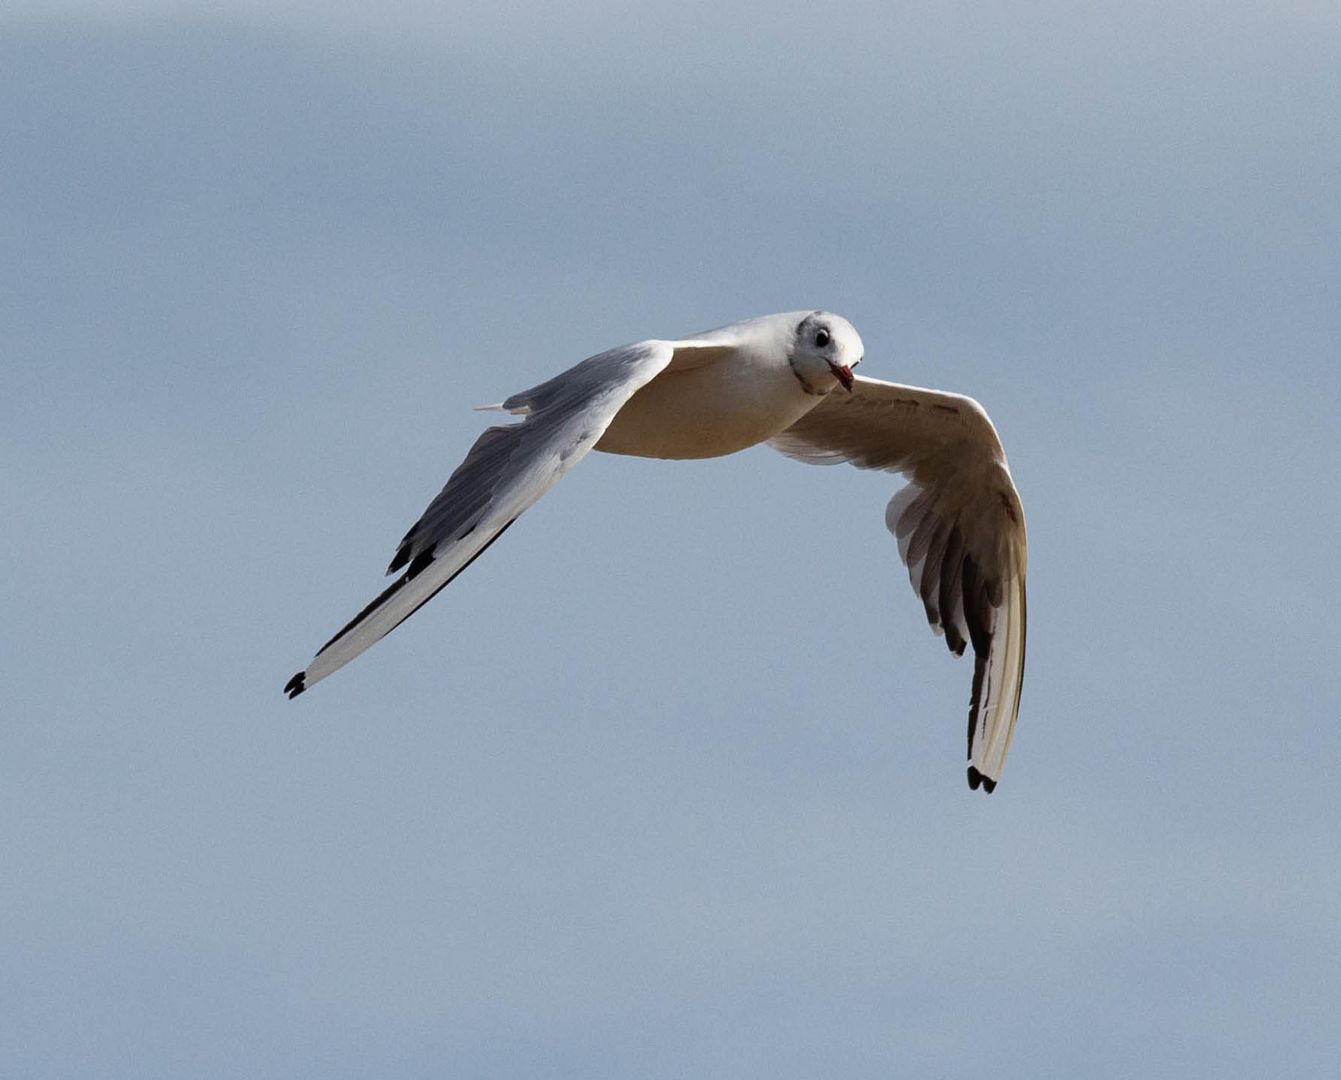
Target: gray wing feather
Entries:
(960, 529)
(509, 468)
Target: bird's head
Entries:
(826, 350)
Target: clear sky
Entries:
(670, 783)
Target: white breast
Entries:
(709, 411)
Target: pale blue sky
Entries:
(670, 783)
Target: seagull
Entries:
(786, 380)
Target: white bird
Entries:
(959, 522)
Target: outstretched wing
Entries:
(960, 528)
(509, 468)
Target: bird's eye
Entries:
(821, 338)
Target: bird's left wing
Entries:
(509, 468)
(960, 528)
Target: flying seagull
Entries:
(782, 379)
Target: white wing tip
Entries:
(503, 406)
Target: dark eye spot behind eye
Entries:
(821, 338)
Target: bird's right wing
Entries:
(960, 528)
(509, 468)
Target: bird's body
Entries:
(706, 412)
(782, 378)
(714, 399)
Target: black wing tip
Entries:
(296, 685)
(402, 556)
(976, 779)
(417, 564)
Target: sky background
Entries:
(670, 784)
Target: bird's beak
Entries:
(843, 374)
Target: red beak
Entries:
(843, 374)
